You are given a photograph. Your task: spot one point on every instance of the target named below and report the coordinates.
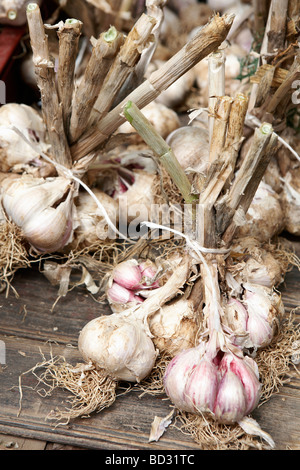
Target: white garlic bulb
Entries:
(119, 345)
(14, 150)
(42, 208)
(191, 147)
(265, 217)
(92, 225)
(174, 326)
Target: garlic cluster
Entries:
(14, 151)
(42, 208)
(265, 217)
(222, 384)
(119, 345)
(130, 283)
(253, 319)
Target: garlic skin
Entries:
(265, 217)
(33, 204)
(190, 145)
(13, 150)
(91, 224)
(227, 389)
(174, 327)
(263, 306)
(118, 345)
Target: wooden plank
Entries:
(124, 426)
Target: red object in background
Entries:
(10, 37)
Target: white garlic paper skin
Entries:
(118, 345)
(42, 209)
(225, 386)
(13, 149)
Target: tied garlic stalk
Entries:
(213, 377)
(130, 283)
(42, 208)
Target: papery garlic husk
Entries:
(265, 217)
(43, 209)
(118, 345)
(258, 265)
(235, 319)
(190, 145)
(264, 307)
(225, 386)
(291, 201)
(164, 119)
(139, 194)
(14, 150)
(175, 326)
(92, 226)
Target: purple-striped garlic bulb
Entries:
(224, 385)
(131, 282)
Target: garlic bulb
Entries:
(253, 318)
(42, 208)
(223, 384)
(130, 283)
(258, 265)
(174, 326)
(264, 306)
(164, 120)
(191, 147)
(92, 226)
(118, 345)
(265, 217)
(13, 150)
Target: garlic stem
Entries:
(203, 43)
(152, 138)
(216, 84)
(68, 35)
(51, 109)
